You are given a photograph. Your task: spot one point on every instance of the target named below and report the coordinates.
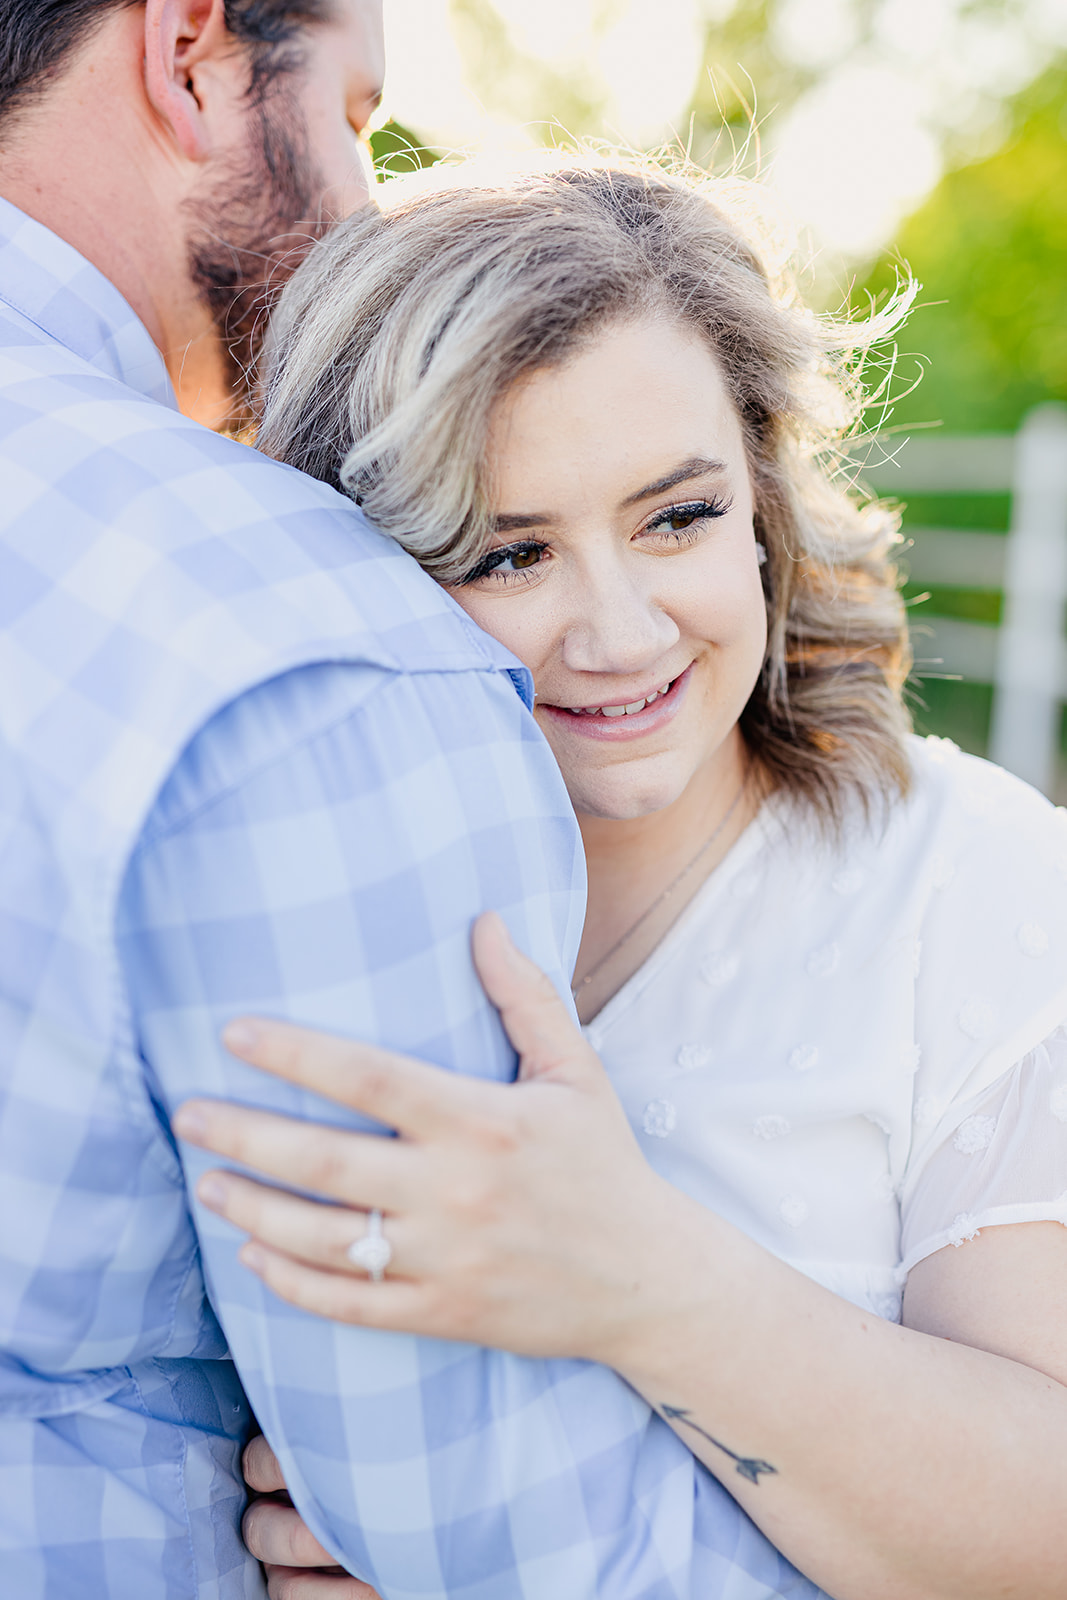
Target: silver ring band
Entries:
(372, 1252)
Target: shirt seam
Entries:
(35, 322)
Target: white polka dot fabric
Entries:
(854, 1050)
(1006, 1162)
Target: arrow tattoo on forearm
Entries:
(748, 1466)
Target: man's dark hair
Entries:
(39, 38)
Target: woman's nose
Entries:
(617, 627)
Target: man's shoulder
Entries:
(152, 572)
(194, 526)
(63, 420)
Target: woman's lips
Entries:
(632, 725)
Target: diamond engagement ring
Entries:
(373, 1252)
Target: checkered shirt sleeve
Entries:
(333, 880)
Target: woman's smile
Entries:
(646, 713)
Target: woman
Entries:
(823, 963)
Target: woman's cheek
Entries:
(749, 635)
(511, 620)
(724, 605)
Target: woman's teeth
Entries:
(619, 711)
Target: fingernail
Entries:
(253, 1257)
(189, 1123)
(240, 1037)
(213, 1191)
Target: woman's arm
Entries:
(910, 1463)
(889, 1463)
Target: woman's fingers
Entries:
(538, 1022)
(361, 1169)
(395, 1303)
(412, 1096)
(320, 1235)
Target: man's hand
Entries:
(298, 1568)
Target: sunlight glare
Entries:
(814, 33)
(853, 155)
(651, 72)
(555, 31)
(425, 86)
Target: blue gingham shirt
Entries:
(253, 759)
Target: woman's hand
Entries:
(519, 1215)
(298, 1568)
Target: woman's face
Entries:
(624, 568)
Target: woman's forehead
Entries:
(632, 405)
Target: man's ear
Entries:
(181, 35)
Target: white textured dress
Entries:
(856, 1052)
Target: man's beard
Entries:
(250, 237)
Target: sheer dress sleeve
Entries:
(1004, 1161)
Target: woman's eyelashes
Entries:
(508, 562)
(683, 523)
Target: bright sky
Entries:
(849, 158)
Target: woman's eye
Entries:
(506, 561)
(526, 558)
(679, 519)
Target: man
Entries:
(253, 759)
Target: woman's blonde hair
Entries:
(401, 330)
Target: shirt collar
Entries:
(53, 286)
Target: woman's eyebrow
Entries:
(694, 467)
(685, 472)
(522, 519)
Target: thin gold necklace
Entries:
(582, 983)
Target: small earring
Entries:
(761, 553)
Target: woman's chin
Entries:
(623, 803)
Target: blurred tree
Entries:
(990, 248)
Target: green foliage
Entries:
(990, 248)
(397, 150)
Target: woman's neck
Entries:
(634, 862)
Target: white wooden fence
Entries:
(1025, 659)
